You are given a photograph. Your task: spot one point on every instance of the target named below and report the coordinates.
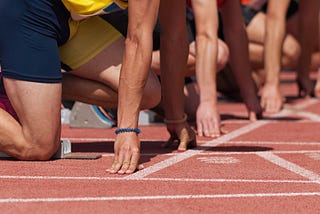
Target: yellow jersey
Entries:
(87, 7)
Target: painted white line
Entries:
(200, 180)
(227, 137)
(158, 197)
(276, 143)
(297, 110)
(190, 153)
(309, 115)
(204, 153)
(314, 155)
(305, 103)
(218, 160)
(257, 152)
(290, 166)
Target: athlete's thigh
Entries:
(105, 66)
(38, 107)
(95, 51)
(256, 28)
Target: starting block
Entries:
(89, 116)
(146, 117)
(64, 152)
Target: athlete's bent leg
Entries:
(37, 134)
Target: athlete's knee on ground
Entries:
(38, 150)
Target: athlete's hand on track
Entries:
(126, 154)
(271, 99)
(208, 120)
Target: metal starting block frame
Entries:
(64, 152)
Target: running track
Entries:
(268, 166)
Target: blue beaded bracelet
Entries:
(121, 130)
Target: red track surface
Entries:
(269, 166)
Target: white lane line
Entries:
(290, 166)
(227, 137)
(257, 152)
(309, 115)
(224, 153)
(190, 153)
(218, 160)
(206, 180)
(158, 197)
(314, 155)
(305, 103)
(276, 143)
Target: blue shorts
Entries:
(31, 31)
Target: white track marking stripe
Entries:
(276, 143)
(227, 153)
(306, 103)
(290, 166)
(190, 153)
(254, 153)
(311, 116)
(159, 197)
(207, 180)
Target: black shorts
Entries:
(248, 14)
(31, 31)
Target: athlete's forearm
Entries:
(275, 34)
(136, 61)
(206, 18)
(308, 18)
(173, 53)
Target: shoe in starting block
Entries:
(89, 116)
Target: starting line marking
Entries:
(227, 137)
(276, 143)
(290, 166)
(210, 180)
(190, 153)
(157, 197)
(219, 160)
(307, 152)
(314, 155)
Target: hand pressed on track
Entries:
(208, 120)
(183, 134)
(271, 99)
(126, 154)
